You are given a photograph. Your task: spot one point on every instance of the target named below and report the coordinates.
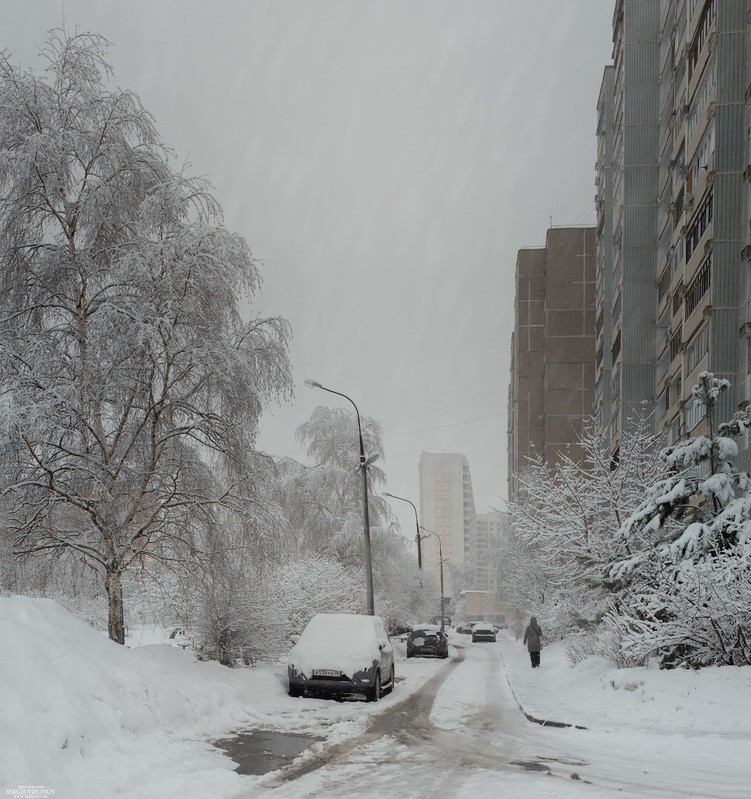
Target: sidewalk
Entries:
(596, 696)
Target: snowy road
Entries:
(462, 735)
(89, 719)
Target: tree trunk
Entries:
(115, 625)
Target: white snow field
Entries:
(84, 718)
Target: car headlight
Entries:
(363, 676)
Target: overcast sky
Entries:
(385, 159)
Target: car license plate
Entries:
(326, 673)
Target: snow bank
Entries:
(597, 695)
(68, 693)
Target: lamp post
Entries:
(440, 560)
(365, 514)
(417, 525)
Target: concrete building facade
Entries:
(672, 233)
(447, 507)
(487, 531)
(551, 387)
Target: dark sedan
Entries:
(483, 632)
(427, 641)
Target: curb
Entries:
(529, 716)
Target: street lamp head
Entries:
(313, 383)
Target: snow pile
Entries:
(597, 695)
(70, 696)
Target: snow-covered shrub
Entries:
(684, 590)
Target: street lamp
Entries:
(440, 561)
(365, 515)
(417, 525)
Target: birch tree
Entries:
(323, 507)
(130, 383)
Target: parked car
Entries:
(427, 640)
(482, 631)
(340, 653)
(465, 627)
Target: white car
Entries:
(342, 653)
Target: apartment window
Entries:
(663, 284)
(699, 286)
(698, 226)
(678, 166)
(675, 429)
(615, 459)
(675, 343)
(616, 313)
(615, 384)
(697, 349)
(701, 98)
(695, 412)
(678, 208)
(680, 31)
(677, 299)
(704, 153)
(615, 351)
(700, 37)
(679, 252)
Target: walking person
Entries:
(532, 636)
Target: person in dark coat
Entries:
(532, 636)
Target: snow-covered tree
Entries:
(564, 522)
(130, 384)
(322, 504)
(685, 585)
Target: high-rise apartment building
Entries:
(672, 277)
(551, 390)
(482, 552)
(447, 507)
(604, 272)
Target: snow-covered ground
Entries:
(594, 694)
(88, 718)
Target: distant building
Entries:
(447, 507)
(551, 390)
(484, 606)
(487, 530)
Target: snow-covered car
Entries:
(482, 631)
(180, 637)
(465, 627)
(427, 640)
(340, 653)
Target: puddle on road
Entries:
(531, 765)
(539, 763)
(261, 751)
